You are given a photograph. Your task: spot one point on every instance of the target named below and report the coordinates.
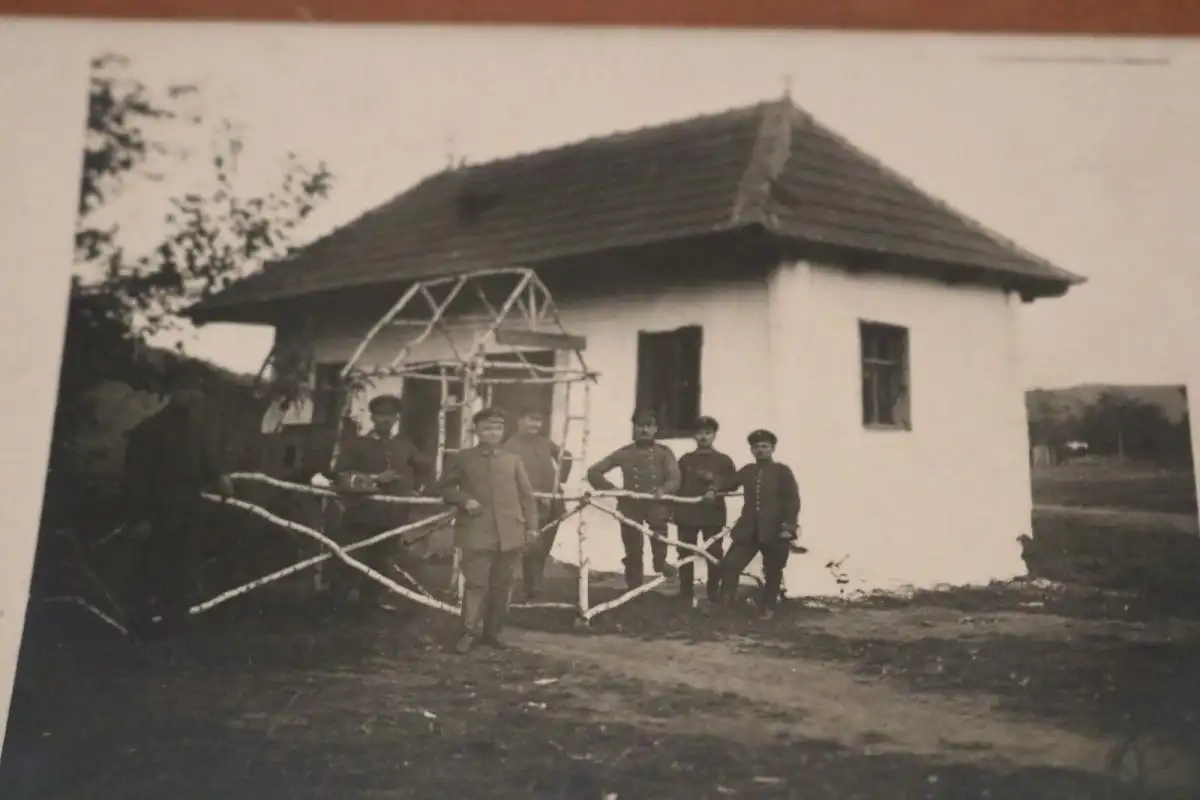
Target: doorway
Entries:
(512, 397)
(422, 401)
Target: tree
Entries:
(214, 230)
(1052, 422)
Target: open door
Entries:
(422, 401)
(512, 397)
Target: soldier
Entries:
(647, 467)
(383, 461)
(702, 470)
(168, 464)
(497, 517)
(768, 523)
(548, 467)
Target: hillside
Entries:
(1075, 399)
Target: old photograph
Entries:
(618, 414)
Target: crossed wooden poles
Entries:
(415, 531)
(428, 526)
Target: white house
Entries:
(751, 265)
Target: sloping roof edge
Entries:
(750, 205)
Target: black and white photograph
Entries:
(609, 413)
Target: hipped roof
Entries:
(770, 166)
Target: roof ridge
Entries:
(769, 155)
(613, 137)
(895, 175)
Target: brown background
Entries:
(1130, 17)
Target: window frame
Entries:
(682, 351)
(874, 338)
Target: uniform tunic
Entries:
(771, 501)
(702, 470)
(372, 454)
(771, 506)
(646, 468)
(496, 479)
(491, 539)
(538, 454)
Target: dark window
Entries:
(885, 390)
(668, 378)
(329, 394)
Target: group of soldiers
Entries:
(507, 497)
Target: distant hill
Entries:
(1074, 399)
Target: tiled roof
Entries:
(770, 165)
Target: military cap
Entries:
(488, 415)
(761, 435)
(533, 411)
(384, 404)
(644, 416)
(706, 424)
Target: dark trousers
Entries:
(533, 562)
(741, 553)
(687, 572)
(634, 542)
(164, 577)
(344, 579)
(488, 577)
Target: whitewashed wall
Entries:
(735, 376)
(942, 503)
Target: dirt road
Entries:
(1001, 697)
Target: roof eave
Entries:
(1054, 283)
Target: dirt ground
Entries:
(1020, 691)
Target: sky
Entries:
(1081, 150)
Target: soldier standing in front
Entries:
(548, 467)
(702, 470)
(497, 518)
(769, 522)
(393, 466)
(647, 467)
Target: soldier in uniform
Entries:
(548, 467)
(497, 518)
(647, 467)
(702, 470)
(168, 464)
(392, 465)
(769, 522)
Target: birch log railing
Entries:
(415, 531)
